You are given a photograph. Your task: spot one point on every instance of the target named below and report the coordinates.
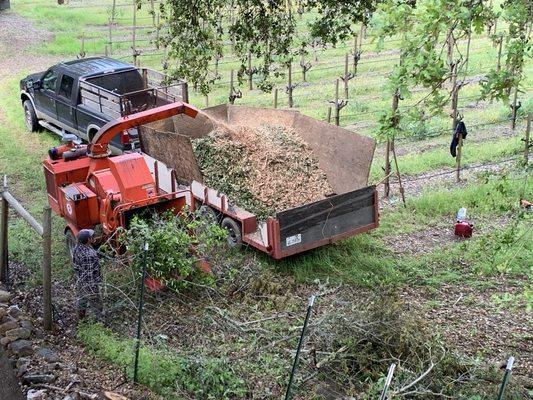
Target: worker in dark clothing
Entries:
(87, 274)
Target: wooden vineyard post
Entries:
(82, 47)
(250, 71)
(157, 27)
(206, 99)
(514, 108)
(136, 53)
(290, 87)
(499, 62)
(110, 35)
(113, 11)
(306, 66)
(455, 119)
(526, 140)
(275, 97)
(356, 54)
(338, 104)
(152, 11)
(450, 42)
(402, 191)
(387, 168)
(346, 77)
(233, 94)
(4, 266)
(47, 268)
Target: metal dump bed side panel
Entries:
(325, 221)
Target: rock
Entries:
(36, 394)
(7, 326)
(21, 347)
(18, 333)
(14, 311)
(4, 296)
(48, 355)
(27, 325)
(3, 312)
(38, 378)
(5, 341)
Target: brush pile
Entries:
(263, 170)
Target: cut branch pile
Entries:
(263, 170)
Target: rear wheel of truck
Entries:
(71, 242)
(32, 123)
(234, 232)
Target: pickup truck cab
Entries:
(80, 96)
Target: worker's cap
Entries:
(84, 235)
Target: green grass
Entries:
(365, 261)
(163, 370)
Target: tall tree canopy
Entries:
(266, 28)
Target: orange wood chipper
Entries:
(91, 189)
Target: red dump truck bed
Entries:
(344, 156)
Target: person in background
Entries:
(87, 274)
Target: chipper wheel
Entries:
(71, 243)
(234, 232)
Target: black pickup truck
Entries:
(80, 96)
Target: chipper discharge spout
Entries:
(277, 180)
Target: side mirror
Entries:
(36, 85)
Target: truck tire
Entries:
(71, 242)
(234, 232)
(32, 123)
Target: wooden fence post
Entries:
(526, 140)
(47, 268)
(4, 271)
(275, 97)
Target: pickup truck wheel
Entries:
(71, 242)
(30, 117)
(234, 232)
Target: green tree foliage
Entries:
(176, 244)
(428, 32)
(518, 14)
(266, 28)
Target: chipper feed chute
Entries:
(343, 156)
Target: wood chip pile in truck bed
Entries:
(262, 170)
